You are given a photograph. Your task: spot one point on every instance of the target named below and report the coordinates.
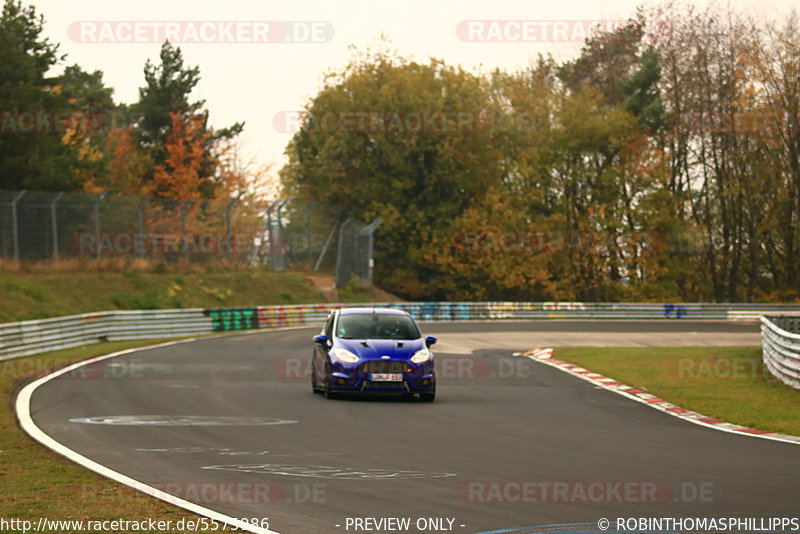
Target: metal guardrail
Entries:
(32, 337)
(780, 341)
(789, 323)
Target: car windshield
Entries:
(376, 326)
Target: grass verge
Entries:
(37, 291)
(729, 383)
(40, 484)
(356, 292)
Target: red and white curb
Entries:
(545, 356)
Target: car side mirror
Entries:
(322, 339)
(430, 340)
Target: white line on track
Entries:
(23, 409)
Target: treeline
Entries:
(663, 163)
(66, 133)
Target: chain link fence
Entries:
(354, 258)
(308, 231)
(42, 225)
(36, 226)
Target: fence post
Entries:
(368, 231)
(327, 242)
(339, 282)
(55, 223)
(228, 226)
(266, 228)
(308, 225)
(97, 222)
(140, 225)
(14, 225)
(185, 248)
(278, 244)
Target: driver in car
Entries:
(393, 330)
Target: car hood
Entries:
(375, 348)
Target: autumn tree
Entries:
(608, 163)
(670, 144)
(776, 118)
(181, 176)
(88, 130)
(728, 87)
(126, 164)
(31, 155)
(165, 99)
(392, 138)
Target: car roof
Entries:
(378, 311)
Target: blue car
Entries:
(373, 350)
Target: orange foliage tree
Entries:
(181, 174)
(127, 163)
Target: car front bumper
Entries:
(370, 376)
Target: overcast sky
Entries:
(251, 71)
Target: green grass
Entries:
(355, 292)
(729, 383)
(37, 292)
(38, 483)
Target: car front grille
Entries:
(385, 366)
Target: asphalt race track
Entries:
(231, 423)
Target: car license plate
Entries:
(386, 377)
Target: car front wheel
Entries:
(428, 397)
(328, 393)
(314, 387)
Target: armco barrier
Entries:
(781, 348)
(32, 337)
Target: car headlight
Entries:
(345, 355)
(422, 355)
